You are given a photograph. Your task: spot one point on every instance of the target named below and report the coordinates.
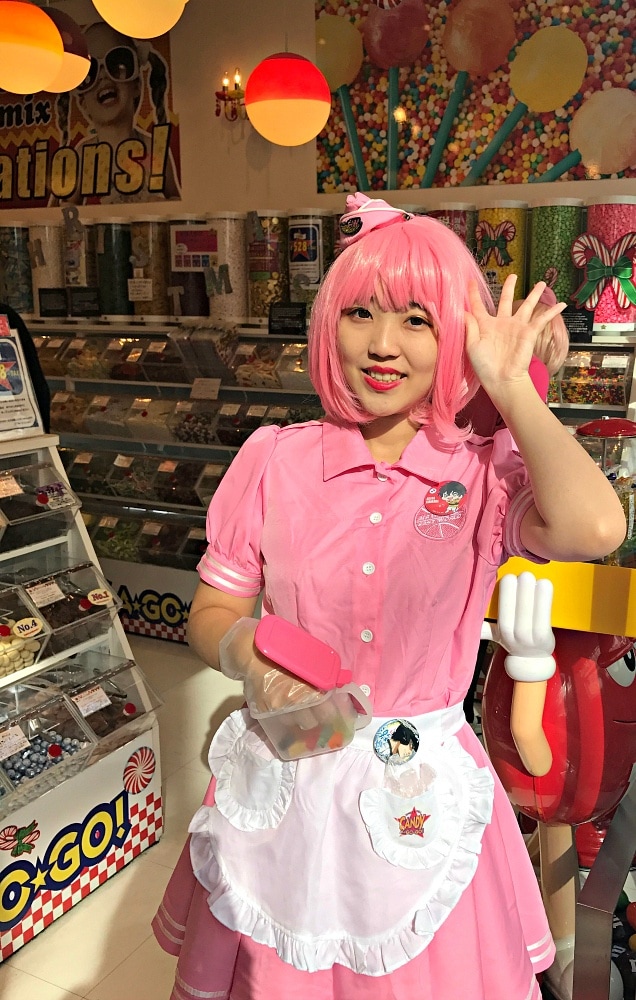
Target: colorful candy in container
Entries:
(150, 260)
(227, 279)
(16, 287)
(611, 441)
(267, 262)
(500, 236)
(554, 226)
(327, 722)
(459, 216)
(606, 252)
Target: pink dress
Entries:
(319, 879)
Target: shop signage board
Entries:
(59, 848)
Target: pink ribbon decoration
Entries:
(603, 265)
(493, 240)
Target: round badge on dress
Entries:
(396, 741)
(446, 498)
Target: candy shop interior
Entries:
(167, 213)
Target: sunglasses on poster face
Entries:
(121, 65)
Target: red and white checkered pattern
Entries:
(146, 818)
(156, 630)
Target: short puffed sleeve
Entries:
(233, 561)
(508, 499)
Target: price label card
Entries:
(91, 700)
(78, 345)
(43, 594)
(615, 361)
(100, 596)
(27, 627)
(141, 404)
(157, 346)
(124, 461)
(214, 469)
(12, 740)
(57, 496)
(151, 528)
(84, 458)
(135, 354)
(140, 289)
(61, 397)
(184, 406)
(196, 534)
(244, 350)
(278, 412)
(99, 401)
(9, 486)
(54, 343)
(230, 409)
(107, 522)
(256, 411)
(115, 345)
(167, 466)
(205, 388)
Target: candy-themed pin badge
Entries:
(396, 741)
(443, 512)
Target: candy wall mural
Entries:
(464, 92)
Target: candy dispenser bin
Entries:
(34, 505)
(23, 634)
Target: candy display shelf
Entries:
(79, 749)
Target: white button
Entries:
(365, 689)
(366, 635)
(382, 478)
(368, 568)
(376, 517)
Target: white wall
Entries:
(228, 166)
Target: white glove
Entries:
(267, 686)
(523, 626)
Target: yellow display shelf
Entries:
(587, 597)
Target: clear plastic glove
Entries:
(267, 687)
(523, 626)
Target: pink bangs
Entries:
(419, 260)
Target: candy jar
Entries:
(611, 442)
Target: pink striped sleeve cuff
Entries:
(519, 507)
(216, 574)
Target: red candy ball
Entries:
(630, 913)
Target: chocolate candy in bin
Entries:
(23, 636)
(254, 364)
(115, 703)
(67, 412)
(89, 471)
(76, 604)
(117, 538)
(160, 542)
(50, 737)
(106, 416)
(134, 476)
(194, 421)
(123, 358)
(34, 505)
(211, 476)
(162, 362)
(175, 482)
(237, 421)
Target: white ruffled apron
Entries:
(341, 858)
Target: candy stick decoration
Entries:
(602, 136)
(392, 131)
(477, 38)
(443, 132)
(536, 85)
(603, 265)
(352, 136)
(493, 240)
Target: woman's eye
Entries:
(359, 312)
(419, 321)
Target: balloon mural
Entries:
(465, 92)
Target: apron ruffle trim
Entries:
(253, 786)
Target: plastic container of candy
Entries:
(162, 361)
(34, 505)
(106, 416)
(211, 351)
(194, 421)
(67, 412)
(149, 420)
(193, 548)
(117, 538)
(123, 356)
(42, 745)
(596, 378)
(133, 476)
(23, 633)
(292, 368)
(82, 358)
(76, 604)
(88, 471)
(236, 421)
(210, 478)
(160, 543)
(112, 697)
(327, 724)
(254, 363)
(50, 348)
(175, 482)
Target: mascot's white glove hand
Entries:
(523, 626)
(267, 686)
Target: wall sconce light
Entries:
(232, 101)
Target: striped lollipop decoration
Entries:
(139, 770)
(605, 265)
(493, 239)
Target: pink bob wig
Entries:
(416, 260)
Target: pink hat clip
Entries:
(364, 214)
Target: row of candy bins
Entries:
(611, 442)
(69, 717)
(152, 541)
(72, 600)
(229, 266)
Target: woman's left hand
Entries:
(500, 347)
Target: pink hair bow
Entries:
(363, 215)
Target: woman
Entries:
(329, 878)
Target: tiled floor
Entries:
(103, 948)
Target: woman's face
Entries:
(114, 97)
(388, 358)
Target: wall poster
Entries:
(461, 92)
(113, 140)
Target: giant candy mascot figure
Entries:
(563, 746)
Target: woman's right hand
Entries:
(267, 686)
